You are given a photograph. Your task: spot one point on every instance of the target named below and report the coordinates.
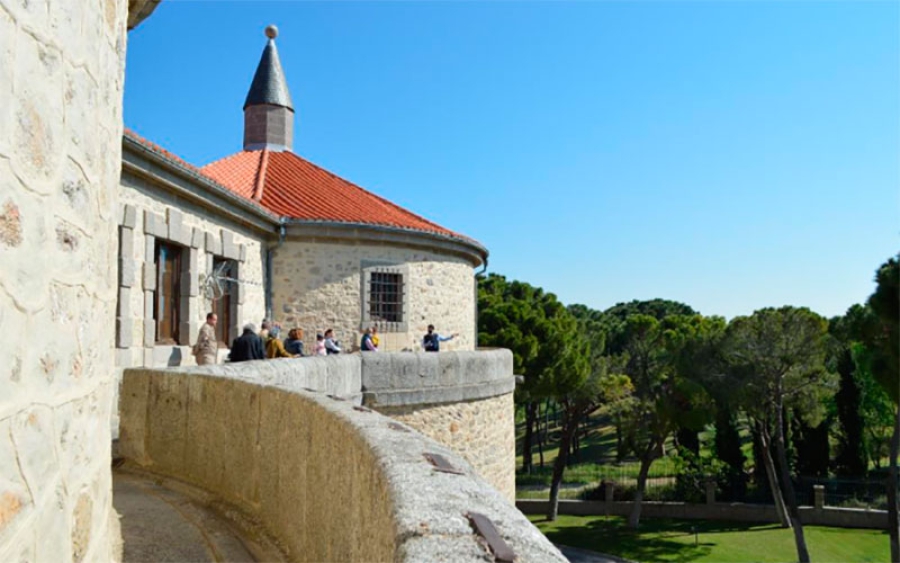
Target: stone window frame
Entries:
(163, 299)
(367, 268)
(197, 243)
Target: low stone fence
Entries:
(328, 479)
(730, 512)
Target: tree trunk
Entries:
(538, 430)
(793, 508)
(778, 498)
(576, 444)
(541, 434)
(530, 408)
(634, 519)
(893, 520)
(620, 443)
(559, 466)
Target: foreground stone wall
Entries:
(61, 77)
(330, 482)
(319, 285)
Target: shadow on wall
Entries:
(175, 357)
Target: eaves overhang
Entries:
(139, 10)
(340, 231)
(186, 183)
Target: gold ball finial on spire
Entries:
(271, 32)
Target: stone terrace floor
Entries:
(161, 525)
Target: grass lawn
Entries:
(595, 462)
(720, 542)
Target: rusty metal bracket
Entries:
(441, 463)
(498, 546)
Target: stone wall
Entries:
(463, 400)
(725, 512)
(61, 79)
(149, 214)
(329, 480)
(319, 284)
(481, 431)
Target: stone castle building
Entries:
(111, 251)
(284, 239)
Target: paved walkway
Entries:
(575, 555)
(160, 525)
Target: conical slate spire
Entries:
(269, 85)
(268, 110)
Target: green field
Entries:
(721, 542)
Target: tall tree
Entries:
(777, 357)
(583, 381)
(885, 365)
(664, 398)
(850, 458)
(727, 447)
(812, 447)
(862, 407)
(524, 319)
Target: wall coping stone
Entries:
(406, 378)
(334, 375)
(383, 379)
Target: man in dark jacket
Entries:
(248, 346)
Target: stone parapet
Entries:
(463, 400)
(390, 380)
(328, 479)
(333, 375)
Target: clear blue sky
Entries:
(730, 155)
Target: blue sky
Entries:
(730, 155)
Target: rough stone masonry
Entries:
(61, 79)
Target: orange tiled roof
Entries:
(291, 186)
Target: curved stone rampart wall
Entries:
(328, 480)
(481, 431)
(61, 77)
(320, 284)
(463, 400)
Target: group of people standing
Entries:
(267, 344)
(258, 346)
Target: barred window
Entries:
(386, 297)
